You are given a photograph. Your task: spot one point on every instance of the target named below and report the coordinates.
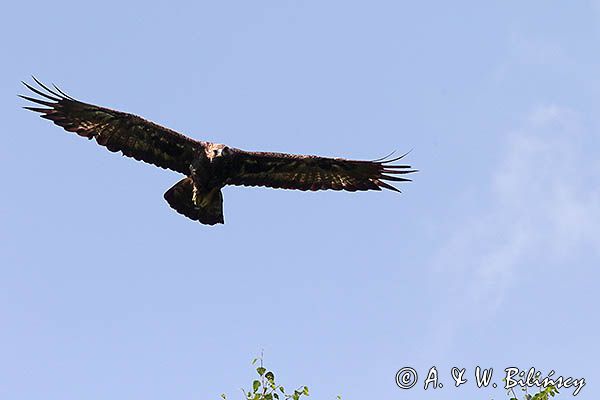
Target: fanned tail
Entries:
(205, 207)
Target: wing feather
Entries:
(289, 171)
(117, 131)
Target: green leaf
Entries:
(255, 386)
(270, 376)
(305, 390)
(261, 371)
(254, 361)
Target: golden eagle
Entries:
(208, 166)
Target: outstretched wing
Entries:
(288, 171)
(117, 131)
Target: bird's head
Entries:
(216, 151)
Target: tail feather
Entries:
(206, 208)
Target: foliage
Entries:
(265, 387)
(544, 394)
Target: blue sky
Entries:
(490, 257)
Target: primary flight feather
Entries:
(208, 166)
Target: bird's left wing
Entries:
(117, 131)
(289, 171)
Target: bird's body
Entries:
(208, 167)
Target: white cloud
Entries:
(548, 182)
(546, 208)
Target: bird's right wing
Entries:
(117, 131)
(290, 171)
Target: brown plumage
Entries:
(208, 166)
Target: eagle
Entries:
(207, 166)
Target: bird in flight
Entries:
(207, 166)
